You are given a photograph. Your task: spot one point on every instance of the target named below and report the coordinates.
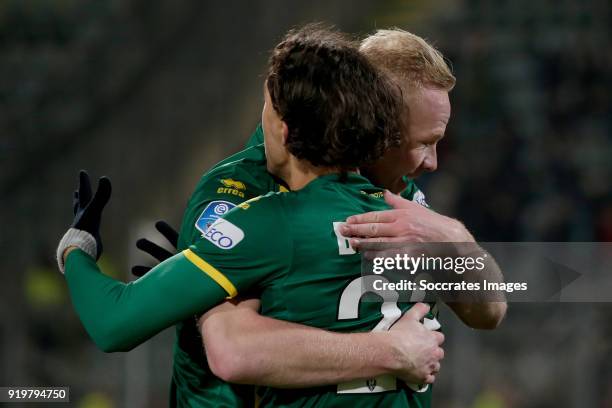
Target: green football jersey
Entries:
(232, 181)
(286, 247)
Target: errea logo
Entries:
(231, 183)
(232, 187)
(223, 234)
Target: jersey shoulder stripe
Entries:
(211, 271)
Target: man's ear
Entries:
(285, 131)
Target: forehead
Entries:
(429, 105)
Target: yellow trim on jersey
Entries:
(283, 189)
(212, 272)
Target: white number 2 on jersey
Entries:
(348, 308)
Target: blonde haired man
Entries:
(243, 346)
(247, 348)
(425, 80)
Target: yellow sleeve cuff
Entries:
(212, 272)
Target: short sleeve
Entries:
(247, 248)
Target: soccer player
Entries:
(315, 357)
(316, 136)
(242, 346)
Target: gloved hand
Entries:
(155, 250)
(84, 231)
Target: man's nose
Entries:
(431, 160)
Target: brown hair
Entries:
(340, 111)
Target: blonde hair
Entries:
(408, 59)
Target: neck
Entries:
(298, 173)
(385, 179)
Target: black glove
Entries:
(155, 250)
(87, 210)
(84, 231)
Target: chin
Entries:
(414, 175)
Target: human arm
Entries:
(242, 346)
(410, 222)
(119, 316)
(482, 310)
(245, 347)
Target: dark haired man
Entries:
(358, 122)
(241, 345)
